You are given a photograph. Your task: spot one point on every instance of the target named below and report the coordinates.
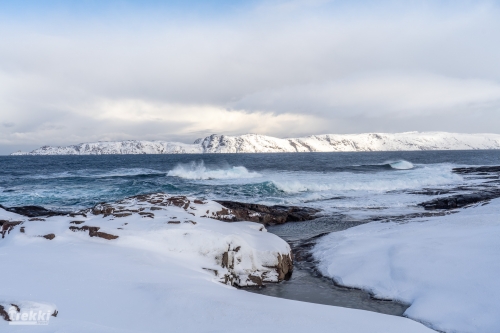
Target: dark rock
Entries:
(460, 200)
(482, 170)
(18, 309)
(7, 226)
(284, 267)
(267, 215)
(179, 201)
(104, 235)
(255, 279)
(122, 214)
(85, 228)
(4, 314)
(478, 193)
(226, 262)
(102, 209)
(93, 232)
(49, 236)
(432, 192)
(33, 211)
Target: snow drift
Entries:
(446, 267)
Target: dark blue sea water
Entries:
(332, 181)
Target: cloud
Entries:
(283, 68)
(410, 94)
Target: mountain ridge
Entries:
(255, 143)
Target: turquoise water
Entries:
(332, 181)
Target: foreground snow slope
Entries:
(154, 276)
(253, 143)
(446, 267)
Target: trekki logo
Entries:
(29, 316)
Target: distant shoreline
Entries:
(253, 143)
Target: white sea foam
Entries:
(380, 182)
(401, 165)
(195, 170)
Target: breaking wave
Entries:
(338, 183)
(401, 165)
(200, 171)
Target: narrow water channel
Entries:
(307, 286)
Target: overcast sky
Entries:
(79, 71)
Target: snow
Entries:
(253, 143)
(157, 276)
(446, 267)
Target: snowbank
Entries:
(154, 264)
(446, 267)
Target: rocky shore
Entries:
(267, 215)
(474, 194)
(238, 253)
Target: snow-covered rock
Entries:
(253, 143)
(446, 267)
(240, 253)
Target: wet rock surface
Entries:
(482, 192)
(482, 170)
(267, 215)
(33, 211)
(460, 200)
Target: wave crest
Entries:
(195, 170)
(401, 165)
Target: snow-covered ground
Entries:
(446, 267)
(253, 143)
(162, 273)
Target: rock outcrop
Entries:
(478, 193)
(460, 200)
(267, 215)
(238, 253)
(33, 211)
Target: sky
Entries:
(82, 71)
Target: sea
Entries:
(352, 183)
(347, 188)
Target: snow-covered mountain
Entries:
(253, 143)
